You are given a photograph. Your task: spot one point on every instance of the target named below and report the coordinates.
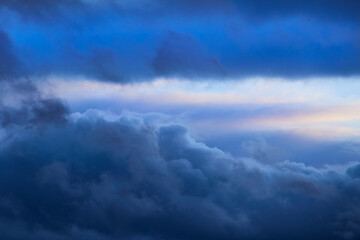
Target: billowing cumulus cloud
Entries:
(136, 176)
(91, 174)
(140, 40)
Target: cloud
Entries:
(10, 66)
(182, 55)
(354, 171)
(30, 108)
(133, 176)
(128, 42)
(306, 107)
(38, 10)
(253, 9)
(140, 176)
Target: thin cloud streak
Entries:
(179, 91)
(307, 107)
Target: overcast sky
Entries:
(202, 119)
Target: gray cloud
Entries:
(133, 176)
(32, 109)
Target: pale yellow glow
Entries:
(172, 91)
(341, 122)
(330, 114)
(320, 108)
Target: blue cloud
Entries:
(136, 176)
(132, 176)
(10, 66)
(126, 42)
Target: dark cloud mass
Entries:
(133, 177)
(130, 40)
(92, 175)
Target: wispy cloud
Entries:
(307, 107)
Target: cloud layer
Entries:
(140, 40)
(135, 176)
(96, 175)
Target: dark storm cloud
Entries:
(129, 41)
(133, 177)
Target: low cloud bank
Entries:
(139, 176)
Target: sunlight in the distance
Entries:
(311, 107)
(180, 91)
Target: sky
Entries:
(179, 120)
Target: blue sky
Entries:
(206, 119)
